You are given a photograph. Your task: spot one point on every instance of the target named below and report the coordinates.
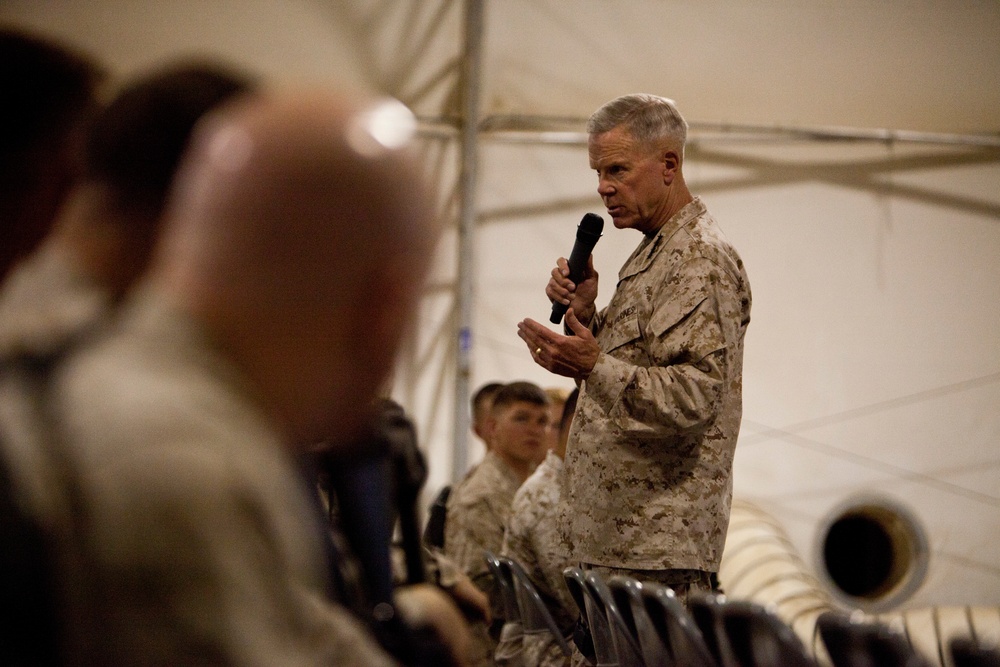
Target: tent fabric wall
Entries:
(850, 382)
(872, 360)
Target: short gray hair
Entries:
(648, 118)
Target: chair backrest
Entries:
(600, 632)
(623, 641)
(505, 584)
(627, 593)
(573, 576)
(535, 615)
(675, 627)
(623, 591)
(706, 611)
(966, 652)
(436, 518)
(758, 638)
(852, 643)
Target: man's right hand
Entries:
(580, 297)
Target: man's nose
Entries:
(604, 188)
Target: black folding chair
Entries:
(536, 617)
(436, 517)
(603, 645)
(967, 652)
(666, 634)
(863, 644)
(625, 645)
(505, 584)
(758, 638)
(706, 611)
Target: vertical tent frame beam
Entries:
(468, 181)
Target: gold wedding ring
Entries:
(538, 351)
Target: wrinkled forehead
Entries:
(617, 146)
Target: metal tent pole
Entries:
(466, 229)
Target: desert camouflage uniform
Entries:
(46, 305)
(648, 482)
(192, 535)
(532, 539)
(478, 509)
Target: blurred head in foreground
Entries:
(132, 151)
(298, 235)
(50, 91)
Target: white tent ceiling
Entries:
(872, 361)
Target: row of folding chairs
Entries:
(522, 602)
(637, 624)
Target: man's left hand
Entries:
(570, 356)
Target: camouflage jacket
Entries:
(649, 461)
(47, 305)
(193, 534)
(532, 538)
(478, 509)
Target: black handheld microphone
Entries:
(587, 234)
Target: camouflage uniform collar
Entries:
(493, 461)
(643, 255)
(691, 210)
(553, 460)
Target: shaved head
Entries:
(299, 233)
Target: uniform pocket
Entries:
(621, 332)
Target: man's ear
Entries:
(671, 165)
(490, 425)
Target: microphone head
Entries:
(588, 233)
(592, 224)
